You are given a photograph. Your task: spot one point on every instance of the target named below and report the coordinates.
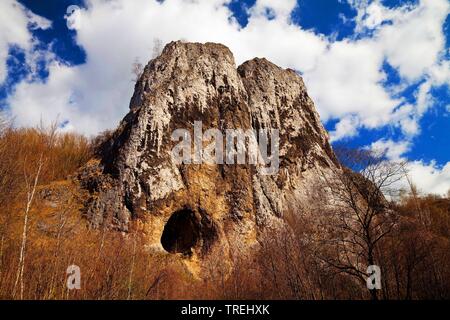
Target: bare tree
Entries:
(137, 68)
(361, 214)
(4, 123)
(130, 278)
(157, 47)
(31, 185)
(62, 227)
(4, 159)
(423, 216)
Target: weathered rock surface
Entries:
(203, 210)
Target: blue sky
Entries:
(378, 71)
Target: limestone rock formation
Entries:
(201, 210)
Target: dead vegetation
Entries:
(42, 232)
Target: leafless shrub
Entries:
(137, 68)
(321, 253)
(157, 47)
(360, 216)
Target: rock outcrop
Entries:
(201, 210)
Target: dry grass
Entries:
(118, 266)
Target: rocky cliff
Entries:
(201, 210)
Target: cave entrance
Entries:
(181, 232)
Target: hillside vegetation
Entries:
(43, 231)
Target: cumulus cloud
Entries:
(392, 150)
(274, 8)
(345, 128)
(94, 96)
(345, 77)
(410, 36)
(414, 40)
(15, 23)
(348, 78)
(429, 178)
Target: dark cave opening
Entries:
(181, 232)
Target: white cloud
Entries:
(372, 14)
(345, 128)
(95, 96)
(15, 21)
(440, 73)
(280, 9)
(345, 78)
(58, 94)
(414, 40)
(391, 149)
(410, 36)
(348, 78)
(429, 177)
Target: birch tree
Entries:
(31, 183)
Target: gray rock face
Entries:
(277, 98)
(201, 210)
